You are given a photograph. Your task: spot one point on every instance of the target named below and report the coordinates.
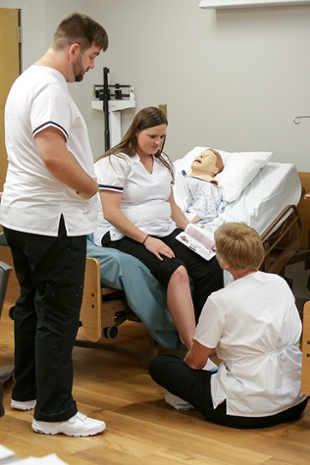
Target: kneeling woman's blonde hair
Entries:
(239, 246)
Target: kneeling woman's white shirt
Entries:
(144, 195)
(256, 328)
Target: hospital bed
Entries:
(118, 287)
(262, 194)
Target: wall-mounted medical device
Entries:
(115, 98)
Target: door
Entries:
(9, 71)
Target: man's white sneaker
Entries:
(177, 402)
(26, 405)
(78, 425)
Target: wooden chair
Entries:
(100, 320)
(103, 308)
(94, 318)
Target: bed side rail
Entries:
(282, 240)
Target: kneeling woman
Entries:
(255, 326)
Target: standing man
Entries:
(48, 206)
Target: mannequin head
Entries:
(207, 165)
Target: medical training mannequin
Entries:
(254, 324)
(206, 199)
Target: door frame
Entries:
(23, 7)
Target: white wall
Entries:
(232, 79)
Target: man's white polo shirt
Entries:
(33, 200)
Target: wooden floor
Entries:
(141, 428)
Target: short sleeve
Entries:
(111, 172)
(50, 108)
(211, 324)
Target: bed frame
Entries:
(289, 243)
(286, 241)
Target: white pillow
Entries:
(240, 168)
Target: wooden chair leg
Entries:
(154, 348)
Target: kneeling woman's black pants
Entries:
(194, 386)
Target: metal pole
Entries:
(106, 98)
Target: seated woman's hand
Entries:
(158, 247)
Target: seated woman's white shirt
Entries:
(144, 195)
(256, 328)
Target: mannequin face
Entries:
(205, 163)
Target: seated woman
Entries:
(141, 218)
(205, 198)
(255, 326)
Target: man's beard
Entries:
(78, 71)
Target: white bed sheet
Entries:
(273, 188)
